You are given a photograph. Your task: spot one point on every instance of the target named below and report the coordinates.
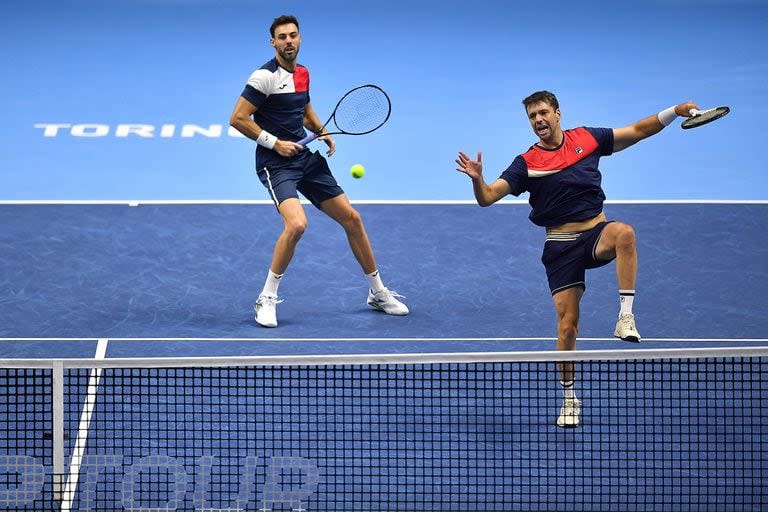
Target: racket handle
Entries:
(696, 112)
(309, 138)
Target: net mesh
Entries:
(654, 434)
(362, 110)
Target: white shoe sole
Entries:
(376, 306)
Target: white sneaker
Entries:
(569, 413)
(266, 310)
(625, 328)
(386, 300)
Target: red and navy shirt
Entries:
(564, 182)
(281, 98)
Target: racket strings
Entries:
(705, 116)
(362, 111)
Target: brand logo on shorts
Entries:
(579, 150)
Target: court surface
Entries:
(471, 276)
(109, 281)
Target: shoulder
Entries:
(516, 175)
(264, 75)
(598, 134)
(603, 137)
(301, 78)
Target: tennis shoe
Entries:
(266, 310)
(570, 413)
(625, 328)
(386, 300)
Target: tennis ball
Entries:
(357, 170)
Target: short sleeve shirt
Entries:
(280, 97)
(564, 182)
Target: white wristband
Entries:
(266, 139)
(666, 116)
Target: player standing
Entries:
(273, 110)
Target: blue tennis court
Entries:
(356, 410)
(136, 237)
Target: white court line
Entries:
(359, 201)
(70, 488)
(393, 339)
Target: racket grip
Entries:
(309, 138)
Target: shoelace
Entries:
(569, 409)
(390, 293)
(627, 322)
(267, 300)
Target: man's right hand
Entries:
(287, 148)
(472, 168)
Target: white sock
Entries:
(568, 391)
(626, 298)
(374, 281)
(270, 286)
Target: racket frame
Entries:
(692, 122)
(309, 138)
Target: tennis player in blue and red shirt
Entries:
(273, 110)
(561, 174)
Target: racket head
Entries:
(362, 110)
(702, 117)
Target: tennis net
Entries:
(659, 430)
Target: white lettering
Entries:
(145, 131)
(51, 130)
(142, 130)
(90, 130)
(190, 130)
(167, 130)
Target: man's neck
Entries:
(290, 66)
(553, 142)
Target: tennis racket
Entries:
(360, 111)
(702, 117)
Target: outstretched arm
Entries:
(485, 194)
(651, 125)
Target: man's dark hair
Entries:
(282, 20)
(539, 96)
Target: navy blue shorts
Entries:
(567, 256)
(308, 174)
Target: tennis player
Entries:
(561, 174)
(273, 110)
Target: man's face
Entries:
(544, 119)
(287, 41)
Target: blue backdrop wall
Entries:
(131, 99)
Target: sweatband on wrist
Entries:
(666, 116)
(266, 139)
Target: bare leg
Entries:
(295, 223)
(340, 210)
(567, 308)
(618, 240)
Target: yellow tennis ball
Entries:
(357, 170)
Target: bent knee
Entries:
(352, 219)
(625, 236)
(295, 228)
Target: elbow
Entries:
(484, 203)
